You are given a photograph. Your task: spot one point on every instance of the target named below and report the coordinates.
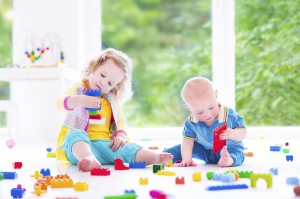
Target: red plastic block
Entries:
(219, 144)
(17, 165)
(100, 172)
(119, 165)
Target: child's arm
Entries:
(186, 153)
(237, 134)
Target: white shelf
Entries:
(21, 74)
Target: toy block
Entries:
(228, 177)
(169, 164)
(94, 109)
(61, 183)
(129, 191)
(179, 180)
(92, 121)
(93, 113)
(197, 176)
(244, 174)
(17, 165)
(165, 173)
(36, 174)
(17, 192)
(275, 148)
(137, 165)
(45, 172)
(157, 194)
(51, 154)
(94, 92)
(100, 172)
(289, 157)
(292, 181)
(43, 185)
(286, 144)
(38, 191)
(81, 186)
(297, 190)
(157, 167)
(274, 171)
(233, 169)
(227, 187)
(209, 175)
(267, 177)
(1, 176)
(153, 147)
(219, 144)
(62, 176)
(124, 196)
(9, 175)
(95, 117)
(119, 165)
(285, 150)
(217, 176)
(249, 154)
(10, 143)
(49, 149)
(45, 179)
(143, 181)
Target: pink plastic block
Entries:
(100, 172)
(119, 165)
(219, 144)
(10, 143)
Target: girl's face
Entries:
(106, 77)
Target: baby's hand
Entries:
(117, 142)
(187, 163)
(90, 102)
(227, 134)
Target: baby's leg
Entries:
(151, 157)
(86, 159)
(226, 160)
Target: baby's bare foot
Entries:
(164, 158)
(225, 160)
(88, 163)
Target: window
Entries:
(268, 62)
(169, 42)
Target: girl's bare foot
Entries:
(88, 163)
(225, 160)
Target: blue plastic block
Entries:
(45, 172)
(292, 181)
(227, 187)
(137, 165)
(17, 192)
(49, 149)
(274, 171)
(129, 191)
(289, 157)
(228, 178)
(97, 93)
(275, 148)
(9, 175)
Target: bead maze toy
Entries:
(219, 144)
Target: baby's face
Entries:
(205, 108)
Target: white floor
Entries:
(34, 158)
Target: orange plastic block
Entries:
(81, 186)
(249, 154)
(143, 181)
(153, 147)
(119, 165)
(46, 179)
(61, 183)
(43, 185)
(62, 176)
(179, 180)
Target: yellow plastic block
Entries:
(267, 177)
(169, 164)
(143, 181)
(81, 186)
(38, 191)
(36, 174)
(166, 173)
(61, 183)
(197, 176)
(51, 154)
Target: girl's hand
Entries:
(117, 142)
(90, 102)
(187, 163)
(227, 134)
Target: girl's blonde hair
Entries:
(123, 90)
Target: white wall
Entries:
(76, 23)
